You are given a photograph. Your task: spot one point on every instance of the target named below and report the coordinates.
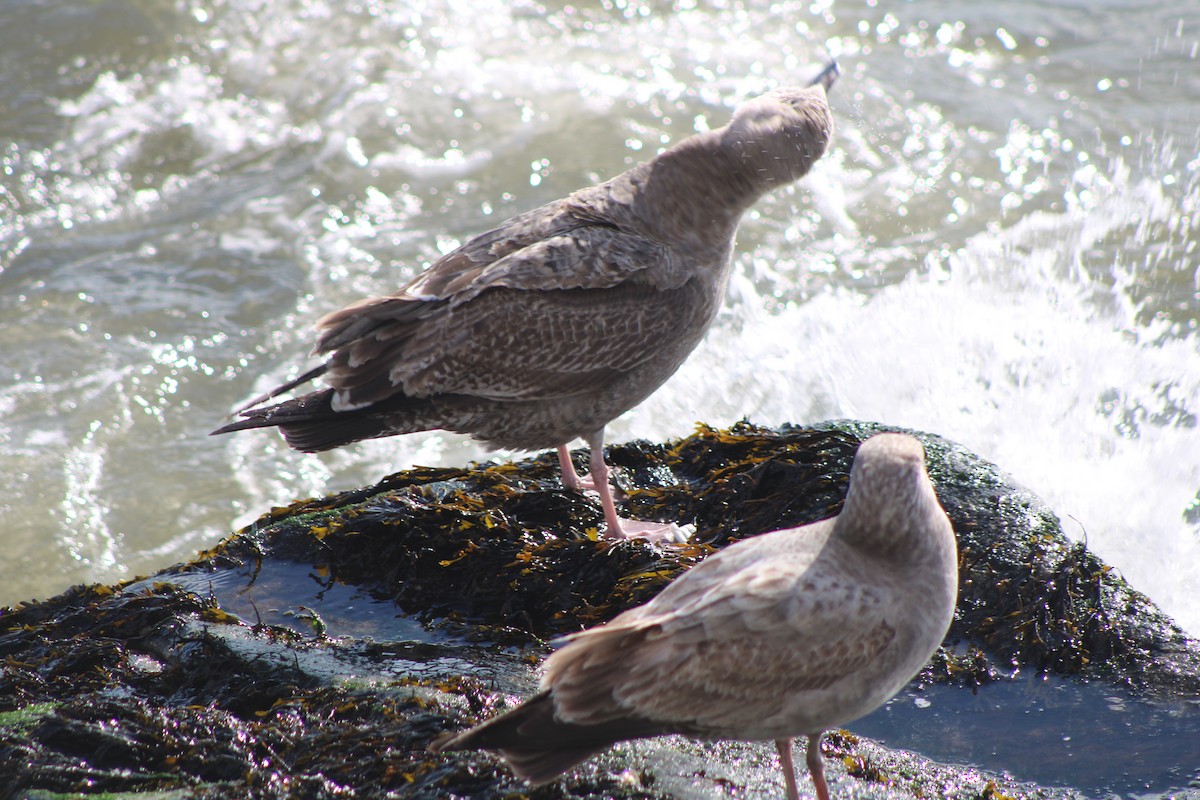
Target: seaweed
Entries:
(149, 686)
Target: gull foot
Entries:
(584, 483)
(653, 532)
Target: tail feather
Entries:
(543, 766)
(311, 425)
(312, 374)
(538, 746)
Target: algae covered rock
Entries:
(318, 651)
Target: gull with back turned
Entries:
(785, 634)
(545, 329)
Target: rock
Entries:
(319, 650)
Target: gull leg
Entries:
(784, 746)
(816, 765)
(574, 482)
(570, 478)
(618, 527)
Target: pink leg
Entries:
(617, 527)
(570, 478)
(784, 746)
(816, 765)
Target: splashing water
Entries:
(1001, 247)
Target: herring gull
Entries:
(548, 327)
(786, 634)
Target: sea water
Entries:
(1000, 247)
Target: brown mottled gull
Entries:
(786, 634)
(545, 329)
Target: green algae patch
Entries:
(177, 794)
(23, 719)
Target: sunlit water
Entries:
(1000, 248)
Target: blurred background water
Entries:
(1001, 246)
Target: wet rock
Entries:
(318, 651)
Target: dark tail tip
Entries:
(238, 425)
(443, 742)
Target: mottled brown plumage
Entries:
(781, 635)
(562, 318)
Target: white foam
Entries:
(1024, 343)
(1076, 399)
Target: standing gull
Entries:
(546, 328)
(786, 634)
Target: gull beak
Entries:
(827, 76)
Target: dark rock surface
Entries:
(318, 651)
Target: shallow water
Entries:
(1001, 247)
(1053, 731)
(302, 598)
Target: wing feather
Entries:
(561, 318)
(744, 636)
